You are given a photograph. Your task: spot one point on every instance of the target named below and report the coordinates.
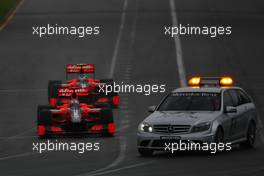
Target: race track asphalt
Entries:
(144, 56)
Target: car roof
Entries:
(203, 89)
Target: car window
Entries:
(242, 98)
(234, 96)
(191, 101)
(227, 99)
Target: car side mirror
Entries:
(230, 109)
(151, 108)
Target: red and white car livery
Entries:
(74, 117)
(89, 87)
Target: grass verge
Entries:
(6, 7)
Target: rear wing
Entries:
(68, 92)
(80, 68)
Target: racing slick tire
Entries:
(107, 120)
(108, 82)
(113, 96)
(145, 152)
(43, 120)
(251, 136)
(52, 91)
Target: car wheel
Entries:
(43, 121)
(145, 152)
(219, 136)
(251, 136)
(52, 89)
(109, 82)
(106, 116)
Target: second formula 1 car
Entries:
(79, 76)
(74, 117)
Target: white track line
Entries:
(179, 57)
(118, 160)
(120, 157)
(18, 135)
(114, 58)
(121, 129)
(9, 18)
(18, 156)
(178, 47)
(121, 168)
(122, 139)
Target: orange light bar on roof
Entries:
(195, 81)
(226, 81)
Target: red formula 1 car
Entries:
(92, 95)
(73, 117)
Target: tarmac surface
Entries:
(132, 39)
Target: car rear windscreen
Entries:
(191, 101)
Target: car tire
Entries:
(108, 82)
(106, 117)
(110, 95)
(44, 119)
(251, 136)
(219, 135)
(145, 152)
(52, 89)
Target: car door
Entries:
(246, 109)
(229, 119)
(237, 128)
